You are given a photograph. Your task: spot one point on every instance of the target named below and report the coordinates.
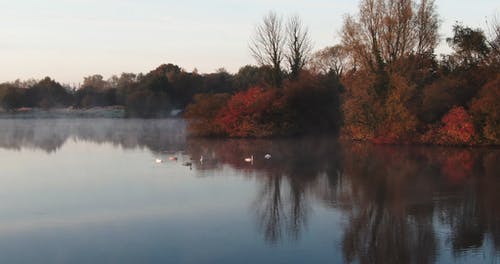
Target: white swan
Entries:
(158, 160)
(267, 156)
(249, 159)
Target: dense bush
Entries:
(486, 111)
(455, 128)
(397, 123)
(307, 105)
(256, 112)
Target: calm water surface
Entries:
(89, 191)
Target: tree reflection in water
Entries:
(391, 207)
(51, 134)
(393, 196)
(287, 180)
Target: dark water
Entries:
(89, 191)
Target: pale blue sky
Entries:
(69, 39)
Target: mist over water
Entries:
(89, 191)
(51, 134)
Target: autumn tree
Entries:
(298, 47)
(268, 45)
(332, 59)
(397, 124)
(390, 45)
(486, 110)
(386, 30)
(358, 106)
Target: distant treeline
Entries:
(154, 94)
(382, 83)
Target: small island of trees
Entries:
(382, 83)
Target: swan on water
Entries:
(249, 159)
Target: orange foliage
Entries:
(251, 113)
(397, 123)
(358, 106)
(486, 110)
(381, 120)
(456, 128)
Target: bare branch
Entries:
(298, 45)
(267, 44)
(386, 30)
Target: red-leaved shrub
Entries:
(456, 128)
(251, 113)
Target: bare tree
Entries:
(426, 24)
(387, 30)
(298, 45)
(493, 28)
(267, 45)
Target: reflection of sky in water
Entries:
(89, 202)
(89, 191)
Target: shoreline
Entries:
(118, 112)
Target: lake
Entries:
(90, 191)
